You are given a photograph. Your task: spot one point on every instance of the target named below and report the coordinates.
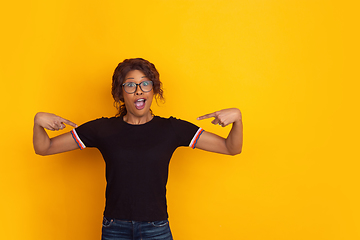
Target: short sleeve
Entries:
(86, 134)
(188, 133)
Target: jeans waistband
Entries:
(129, 221)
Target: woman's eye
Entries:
(146, 83)
(131, 84)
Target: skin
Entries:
(232, 145)
(43, 145)
(135, 116)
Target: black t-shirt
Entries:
(137, 159)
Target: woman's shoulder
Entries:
(175, 121)
(101, 121)
(167, 119)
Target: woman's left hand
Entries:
(224, 117)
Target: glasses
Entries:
(131, 87)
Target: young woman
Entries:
(137, 146)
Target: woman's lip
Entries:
(139, 105)
(140, 99)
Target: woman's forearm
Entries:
(43, 145)
(41, 140)
(234, 141)
(232, 145)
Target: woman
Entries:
(137, 146)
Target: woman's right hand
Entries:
(51, 121)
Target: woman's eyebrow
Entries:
(134, 78)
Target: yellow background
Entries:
(288, 65)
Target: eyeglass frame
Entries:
(139, 84)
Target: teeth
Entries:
(139, 100)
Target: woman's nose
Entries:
(138, 90)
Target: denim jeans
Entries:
(114, 229)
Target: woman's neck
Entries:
(134, 120)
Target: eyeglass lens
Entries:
(145, 86)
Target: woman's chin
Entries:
(140, 113)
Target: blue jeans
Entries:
(114, 229)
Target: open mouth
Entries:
(140, 103)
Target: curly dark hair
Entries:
(119, 76)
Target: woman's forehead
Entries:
(135, 75)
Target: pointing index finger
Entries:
(210, 115)
(69, 123)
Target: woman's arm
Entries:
(232, 145)
(43, 145)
